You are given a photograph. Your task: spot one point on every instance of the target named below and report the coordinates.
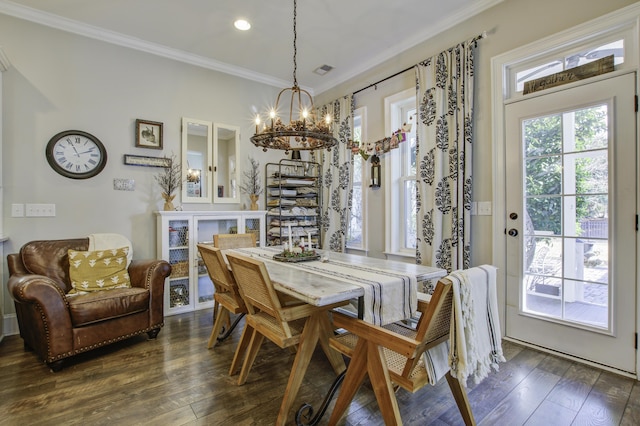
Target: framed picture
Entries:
(140, 160)
(148, 134)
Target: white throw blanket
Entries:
(108, 241)
(475, 343)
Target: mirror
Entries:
(225, 171)
(196, 161)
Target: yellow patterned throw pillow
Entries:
(98, 270)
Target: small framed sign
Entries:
(148, 134)
(141, 160)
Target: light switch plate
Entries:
(17, 210)
(124, 184)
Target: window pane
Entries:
(543, 135)
(537, 72)
(544, 176)
(354, 237)
(546, 214)
(357, 168)
(410, 215)
(615, 48)
(410, 143)
(591, 125)
(592, 174)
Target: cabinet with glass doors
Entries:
(189, 287)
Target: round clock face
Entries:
(76, 154)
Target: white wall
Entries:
(510, 24)
(60, 81)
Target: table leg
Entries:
(318, 327)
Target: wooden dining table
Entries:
(335, 277)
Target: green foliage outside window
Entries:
(544, 154)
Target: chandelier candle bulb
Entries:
(257, 123)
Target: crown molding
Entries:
(419, 37)
(79, 28)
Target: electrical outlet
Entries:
(484, 208)
(41, 210)
(17, 210)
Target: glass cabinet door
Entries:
(180, 297)
(205, 229)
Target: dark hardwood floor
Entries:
(175, 380)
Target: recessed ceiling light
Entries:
(242, 24)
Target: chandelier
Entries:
(303, 132)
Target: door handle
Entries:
(513, 232)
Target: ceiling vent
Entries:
(323, 69)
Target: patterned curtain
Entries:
(336, 180)
(444, 85)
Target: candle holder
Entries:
(296, 254)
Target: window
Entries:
(560, 54)
(356, 232)
(401, 176)
(582, 57)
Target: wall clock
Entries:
(76, 154)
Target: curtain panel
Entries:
(336, 181)
(444, 85)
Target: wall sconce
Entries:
(375, 172)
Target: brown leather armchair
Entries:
(56, 326)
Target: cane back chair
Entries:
(392, 354)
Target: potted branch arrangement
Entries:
(170, 179)
(251, 185)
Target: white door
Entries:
(571, 221)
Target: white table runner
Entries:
(389, 296)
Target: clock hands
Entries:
(74, 147)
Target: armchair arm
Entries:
(43, 311)
(38, 289)
(151, 274)
(378, 335)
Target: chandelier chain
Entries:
(295, 49)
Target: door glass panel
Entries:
(545, 214)
(566, 200)
(544, 175)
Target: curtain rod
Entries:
(475, 39)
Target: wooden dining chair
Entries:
(267, 314)
(392, 354)
(231, 241)
(226, 296)
(227, 241)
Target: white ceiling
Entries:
(350, 35)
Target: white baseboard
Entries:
(10, 325)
